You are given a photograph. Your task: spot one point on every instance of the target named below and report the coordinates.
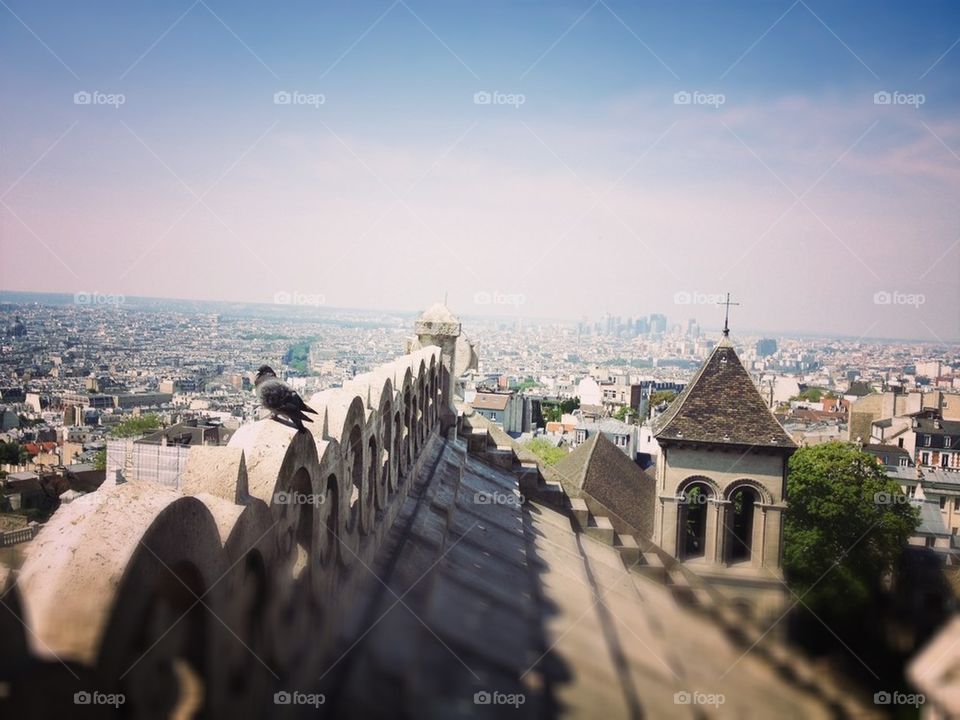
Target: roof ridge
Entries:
(670, 413)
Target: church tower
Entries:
(721, 483)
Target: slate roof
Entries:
(602, 471)
(721, 405)
(491, 401)
(497, 594)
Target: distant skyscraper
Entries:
(658, 324)
(766, 347)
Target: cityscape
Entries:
(418, 359)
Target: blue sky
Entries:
(783, 181)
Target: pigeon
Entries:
(279, 399)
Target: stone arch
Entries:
(331, 529)
(742, 520)
(357, 481)
(408, 428)
(399, 455)
(159, 636)
(388, 472)
(693, 516)
(434, 400)
(374, 464)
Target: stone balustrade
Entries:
(213, 595)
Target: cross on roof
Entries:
(726, 317)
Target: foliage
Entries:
(667, 396)
(622, 414)
(846, 526)
(100, 460)
(13, 454)
(527, 384)
(569, 405)
(551, 412)
(136, 426)
(547, 453)
(298, 356)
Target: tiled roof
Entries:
(721, 405)
(600, 469)
(490, 401)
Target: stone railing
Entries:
(15, 537)
(214, 596)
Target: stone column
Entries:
(715, 536)
(667, 527)
(439, 327)
(767, 531)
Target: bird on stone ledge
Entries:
(279, 399)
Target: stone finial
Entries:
(438, 320)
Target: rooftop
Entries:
(721, 405)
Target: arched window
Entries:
(692, 520)
(740, 523)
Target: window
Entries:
(946, 441)
(943, 502)
(956, 503)
(945, 460)
(924, 458)
(930, 541)
(903, 462)
(927, 439)
(900, 442)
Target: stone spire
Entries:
(438, 326)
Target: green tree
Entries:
(846, 526)
(569, 405)
(100, 460)
(136, 426)
(13, 454)
(623, 413)
(551, 413)
(545, 450)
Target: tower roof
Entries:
(722, 405)
(438, 313)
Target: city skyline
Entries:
(575, 159)
(19, 299)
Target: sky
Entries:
(561, 159)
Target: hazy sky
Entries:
(149, 149)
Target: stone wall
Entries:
(211, 596)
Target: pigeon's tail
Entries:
(299, 418)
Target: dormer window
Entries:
(946, 441)
(927, 439)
